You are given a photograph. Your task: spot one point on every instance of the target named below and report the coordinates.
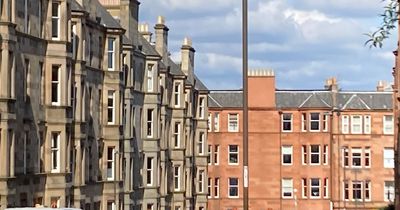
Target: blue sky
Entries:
(304, 41)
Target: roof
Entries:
(147, 48)
(310, 99)
(175, 69)
(199, 85)
(94, 7)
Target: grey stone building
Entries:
(93, 113)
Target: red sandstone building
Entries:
(308, 149)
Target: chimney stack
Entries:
(144, 31)
(261, 88)
(187, 58)
(331, 84)
(162, 38)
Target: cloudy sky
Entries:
(304, 41)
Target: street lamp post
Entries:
(245, 107)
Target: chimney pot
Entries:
(187, 41)
(161, 20)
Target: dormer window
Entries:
(111, 54)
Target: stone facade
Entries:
(308, 149)
(91, 108)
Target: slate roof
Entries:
(321, 99)
(199, 84)
(175, 69)
(75, 6)
(147, 48)
(99, 11)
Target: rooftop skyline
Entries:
(308, 39)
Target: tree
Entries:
(389, 21)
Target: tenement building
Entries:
(308, 149)
(94, 114)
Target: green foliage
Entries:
(389, 21)
(389, 207)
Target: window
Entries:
(314, 188)
(55, 85)
(177, 178)
(200, 146)
(216, 188)
(356, 157)
(55, 21)
(389, 191)
(388, 124)
(149, 171)
(287, 188)
(357, 190)
(201, 107)
(287, 152)
(73, 40)
(367, 157)
(26, 79)
(304, 192)
(209, 154)
(314, 121)
(233, 187)
(325, 122)
(388, 158)
(345, 124)
(110, 205)
(25, 151)
(150, 206)
(209, 188)
(367, 190)
(111, 53)
(233, 155)
(314, 153)
(177, 94)
(201, 181)
(55, 152)
(209, 122)
(233, 122)
(326, 188)
(356, 124)
(177, 134)
(110, 163)
(303, 122)
(111, 107)
(304, 155)
(345, 157)
(26, 17)
(42, 82)
(216, 154)
(216, 122)
(150, 123)
(150, 77)
(367, 124)
(40, 18)
(55, 202)
(346, 192)
(286, 122)
(326, 155)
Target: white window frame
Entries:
(57, 83)
(111, 108)
(177, 135)
(325, 191)
(346, 156)
(361, 190)
(367, 188)
(313, 187)
(367, 124)
(314, 153)
(201, 180)
(150, 171)
(177, 94)
(367, 155)
(287, 187)
(346, 183)
(345, 124)
(150, 123)
(57, 19)
(304, 155)
(202, 110)
(304, 187)
(355, 124)
(201, 142)
(150, 77)
(216, 187)
(233, 153)
(216, 154)
(313, 121)
(304, 122)
(325, 151)
(233, 186)
(325, 122)
(356, 151)
(55, 150)
(290, 121)
(209, 155)
(111, 160)
(209, 188)
(390, 189)
(177, 178)
(287, 150)
(216, 122)
(232, 119)
(388, 126)
(110, 53)
(209, 123)
(388, 157)
(73, 40)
